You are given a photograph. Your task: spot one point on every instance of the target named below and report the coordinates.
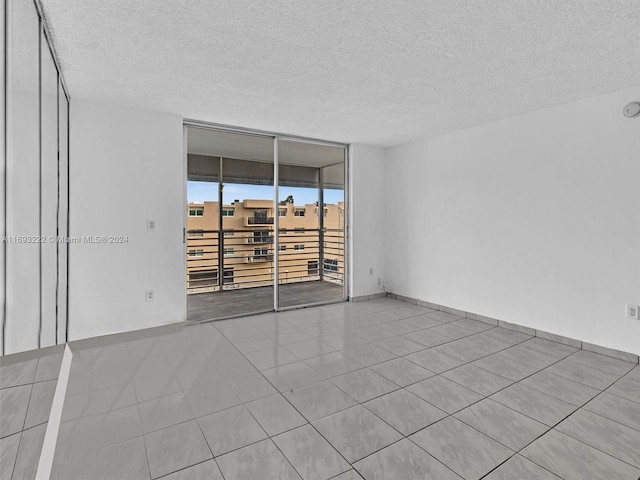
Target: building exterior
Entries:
(243, 249)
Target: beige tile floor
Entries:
(376, 389)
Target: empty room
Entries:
(320, 240)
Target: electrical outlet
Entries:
(149, 295)
(632, 312)
(379, 281)
(151, 225)
(370, 270)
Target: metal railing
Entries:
(266, 257)
(259, 221)
(260, 239)
(308, 256)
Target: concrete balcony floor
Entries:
(213, 305)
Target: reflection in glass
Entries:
(49, 192)
(23, 167)
(63, 211)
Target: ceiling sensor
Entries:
(631, 109)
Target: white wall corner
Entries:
(531, 219)
(368, 222)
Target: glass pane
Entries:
(230, 218)
(311, 223)
(63, 248)
(23, 166)
(49, 185)
(333, 265)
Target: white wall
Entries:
(23, 274)
(3, 165)
(367, 240)
(534, 219)
(126, 167)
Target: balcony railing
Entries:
(260, 239)
(258, 221)
(263, 257)
(304, 256)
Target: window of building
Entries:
(261, 236)
(227, 233)
(196, 212)
(282, 213)
(260, 251)
(228, 212)
(299, 246)
(195, 233)
(330, 265)
(326, 211)
(299, 231)
(228, 251)
(298, 213)
(312, 267)
(282, 248)
(197, 252)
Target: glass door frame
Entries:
(276, 137)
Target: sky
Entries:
(208, 191)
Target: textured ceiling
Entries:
(379, 72)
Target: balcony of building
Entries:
(257, 220)
(310, 268)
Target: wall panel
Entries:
(49, 193)
(23, 171)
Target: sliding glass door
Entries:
(229, 231)
(251, 247)
(311, 223)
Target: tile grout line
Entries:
(144, 440)
(593, 413)
(488, 397)
(278, 392)
(213, 457)
(45, 463)
(552, 427)
(362, 403)
(308, 422)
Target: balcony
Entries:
(257, 220)
(263, 257)
(235, 301)
(247, 257)
(260, 239)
